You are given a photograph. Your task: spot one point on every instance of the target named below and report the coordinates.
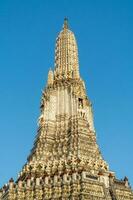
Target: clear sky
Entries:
(104, 32)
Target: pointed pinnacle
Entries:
(65, 25)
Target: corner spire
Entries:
(65, 25)
(50, 77)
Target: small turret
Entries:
(20, 183)
(11, 183)
(50, 77)
(126, 181)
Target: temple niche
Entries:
(65, 161)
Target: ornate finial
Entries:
(11, 180)
(65, 25)
(125, 179)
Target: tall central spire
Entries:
(66, 54)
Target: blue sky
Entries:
(104, 32)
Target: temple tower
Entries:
(65, 161)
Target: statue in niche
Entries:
(80, 101)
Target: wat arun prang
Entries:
(65, 162)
